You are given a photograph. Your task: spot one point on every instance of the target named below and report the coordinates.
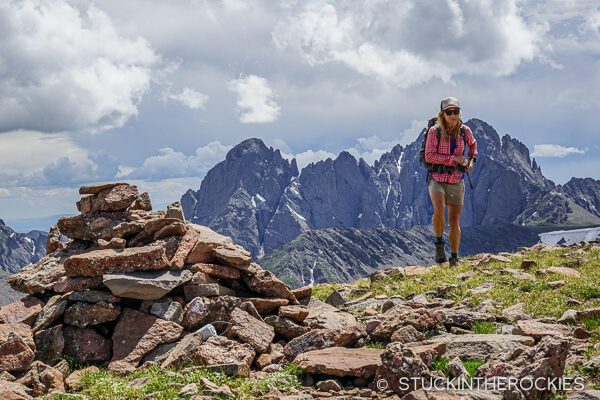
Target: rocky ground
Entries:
(144, 305)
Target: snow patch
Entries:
(296, 214)
(259, 197)
(400, 162)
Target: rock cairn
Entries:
(135, 288)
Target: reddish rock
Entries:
(465, 318)
(339, 361)
(220, 350)
(537, 329)
(323, 338)
(114, 243)
(95, 189)
(399, 361)
(22, 330)
(23, 311)
(85, 346)
(15, 354)
(515, 312)
(148, 229)
(115, 198)
(65, 284)
(183, 352)
(250, 330)
(83, 314)
(100, 262)
(232, 255)
(173, 229)
(49, 344)
(295, 313)
(399, 316)
(194, 312)
(559, 270)
(201, 290)
(39, 277)
(407, 334)
(428, 352)
(188, 241)
(218, 271)
(285, 327)
(302, 293)
(101, 225)
(142, 203)
(265, 306)
(527, 264)
(208, 240)
(544, 361)
(267, 284)
(43, 378)
(135, 335)
(53, 242)
(14, 391)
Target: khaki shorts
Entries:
(454, 192)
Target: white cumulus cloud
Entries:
(62, 70)
(554, 150)
(255, 99)
(190, 98)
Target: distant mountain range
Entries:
(263, 202)
(20, 249)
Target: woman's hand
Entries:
(460, 160)
(470, 166)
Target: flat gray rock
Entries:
(323, 316)
(480, 347)
(145, 285)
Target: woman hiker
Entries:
(448, 187)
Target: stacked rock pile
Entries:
(134, 287)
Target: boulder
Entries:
(101, 262)
(49, 344)
(42, 378)
(95, 189)
(39, 277)
(465, 318)
(407, 334)
(537, 329)
(14, 391)
(265, 283)
(303, 292)
(54, 308)
(85, 346)
(216, 270)
(184, 350)
(145, 285)
(544, 361)
(53, 242)
(428, 351)
(399, 316)
(220, 350)
(174, 210)
(208, 240)
(265, 306)
(480, 347)
(15, 354)
(250, 330)
(285, 327)
(565, 271)
(339, 361)
(232, 255)
(398, 361)
(65, 284)
(135, 335)
(23, 311)
(83, 314)
(515, 312)
(322, 338)
(324, 316)
(93, 296)
(114, 198)
(201, 290)
(295, 313)
(142, 203)
(168, 310)
(201, 311)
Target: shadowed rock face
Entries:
(19, 249)
(259, 199)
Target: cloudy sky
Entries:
(155, 93)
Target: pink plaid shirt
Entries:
(444, 156)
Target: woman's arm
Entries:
(471, 142)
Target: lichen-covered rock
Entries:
(399, 316)
(323, 338)
(340, 361)
(250, 330)
(82, 314)
(23, 311)
(84, 345)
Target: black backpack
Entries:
(440, 168)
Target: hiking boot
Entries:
(440, 253)
(453, 261)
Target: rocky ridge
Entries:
(18, 249)
(136, 288)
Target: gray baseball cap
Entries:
(449, 102)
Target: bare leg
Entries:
(453, 218)
(439, 208)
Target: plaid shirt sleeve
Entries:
(431, 148)
(471, 142)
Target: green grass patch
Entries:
(483, 327)
(375, 345)
(472, 365)
(439, 365)
(166, 384)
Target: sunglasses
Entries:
(455, 111)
